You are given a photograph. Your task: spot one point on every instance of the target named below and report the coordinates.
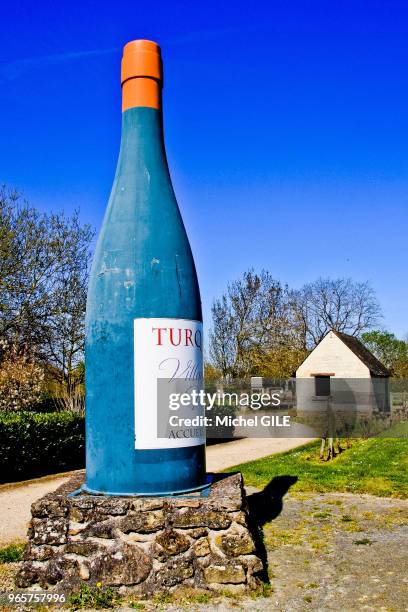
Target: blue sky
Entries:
(286, 128)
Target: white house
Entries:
(343, 372)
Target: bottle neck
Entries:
(142, 140)
(142, 91)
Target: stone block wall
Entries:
(142, 545)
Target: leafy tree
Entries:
(391, 351)
(279, 362)
(44, 263)
(211, 373)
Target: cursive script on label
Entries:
(175, 368)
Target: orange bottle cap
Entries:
(141, 58)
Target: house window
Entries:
(322, 386)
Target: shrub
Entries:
(47, 403)
(34, 444)
(21, 380)
(11, 553)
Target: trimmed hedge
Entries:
(38, 444)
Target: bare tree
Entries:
(222, 341)
(339, 304)
(261, 327)
(250, 315)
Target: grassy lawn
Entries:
(376, 466)
(11, 553)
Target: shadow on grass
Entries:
(264, 507)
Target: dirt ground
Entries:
(339, 552)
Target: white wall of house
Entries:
(333, 356)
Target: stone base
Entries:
(142, 545)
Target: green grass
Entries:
(378, 466)
(346, 518)
(398, 430)
(93, 597)
(11, 553)
(363, 542)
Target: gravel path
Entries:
(228, 454)
(15, 505)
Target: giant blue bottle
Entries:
(143, 306)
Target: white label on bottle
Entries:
(168, 361)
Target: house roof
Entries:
(373, 364)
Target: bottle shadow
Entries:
(265, 506)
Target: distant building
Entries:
(257, 383)
(341, 370)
